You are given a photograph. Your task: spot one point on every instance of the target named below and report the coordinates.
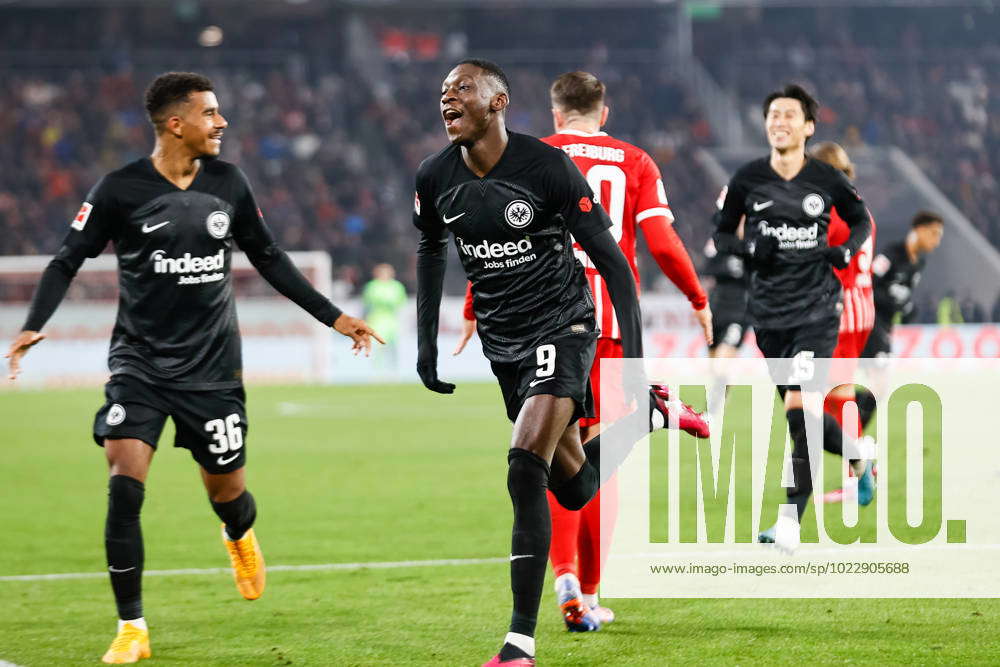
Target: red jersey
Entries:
(627, 182)
(856, 278)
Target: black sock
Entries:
(238, 514)
(801, 474)
(575, 493)
(527, 479)
(833, 435)
(123, 544)
(866, 405)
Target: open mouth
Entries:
(450, 116)
(216, 137)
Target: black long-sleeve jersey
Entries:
(797, 286)
(512, 231)
(894, 277)
(176, 322)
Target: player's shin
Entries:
(527, 478)
(802, 489)
(238, 514)
(123, 544)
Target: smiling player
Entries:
(511, 202)
(175, 350)
(794, 296)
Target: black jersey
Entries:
(512, 231)
(798, 286)
(894, 277)
(176, 322)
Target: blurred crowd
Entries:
(331, 110)
(330, 148)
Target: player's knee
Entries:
(578, 490)
(125, 498)
(526, 472)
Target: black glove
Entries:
(429, 376)
(838, 256)
(762, 249)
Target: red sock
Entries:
(592, 556)
(565, 527)
(834, 405)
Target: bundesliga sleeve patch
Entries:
(416, 203)
(586, 205)
(80, 221)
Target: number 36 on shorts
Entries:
(226, 433)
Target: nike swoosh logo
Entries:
(113, 569)
(513, 558)
(760, 206)
(147, 229)
(534, 382)
(221, 461)
(448, 220)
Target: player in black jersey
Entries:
(175, 350)
(728, 300)
(794, 296)
(895, 275)
(511, 202)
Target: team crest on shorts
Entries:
(813, 205)
(116, 415)
(218, 224)
(518, 214)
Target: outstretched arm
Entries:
(254, 237)
(88, 235)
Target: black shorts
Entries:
(730, 322)
(728, 331)
(879, 345)
(211, 424)
(813, 340)
(559, 367)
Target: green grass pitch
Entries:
(372, 474)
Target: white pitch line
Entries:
(318, 567)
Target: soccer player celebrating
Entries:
(511, 202)
(175, 350)
(627, 183)
(786, 199)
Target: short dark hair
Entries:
(577, 91)
(926, 218)
(170, 88)
(796, 92)
(492, 69)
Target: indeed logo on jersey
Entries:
(509, 250)
(594, 152)
(789, 238)
(188, 264)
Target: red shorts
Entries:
(849, 347)
(850, 344)
(607, 348)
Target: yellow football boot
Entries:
(248, 563)
(131, 645)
